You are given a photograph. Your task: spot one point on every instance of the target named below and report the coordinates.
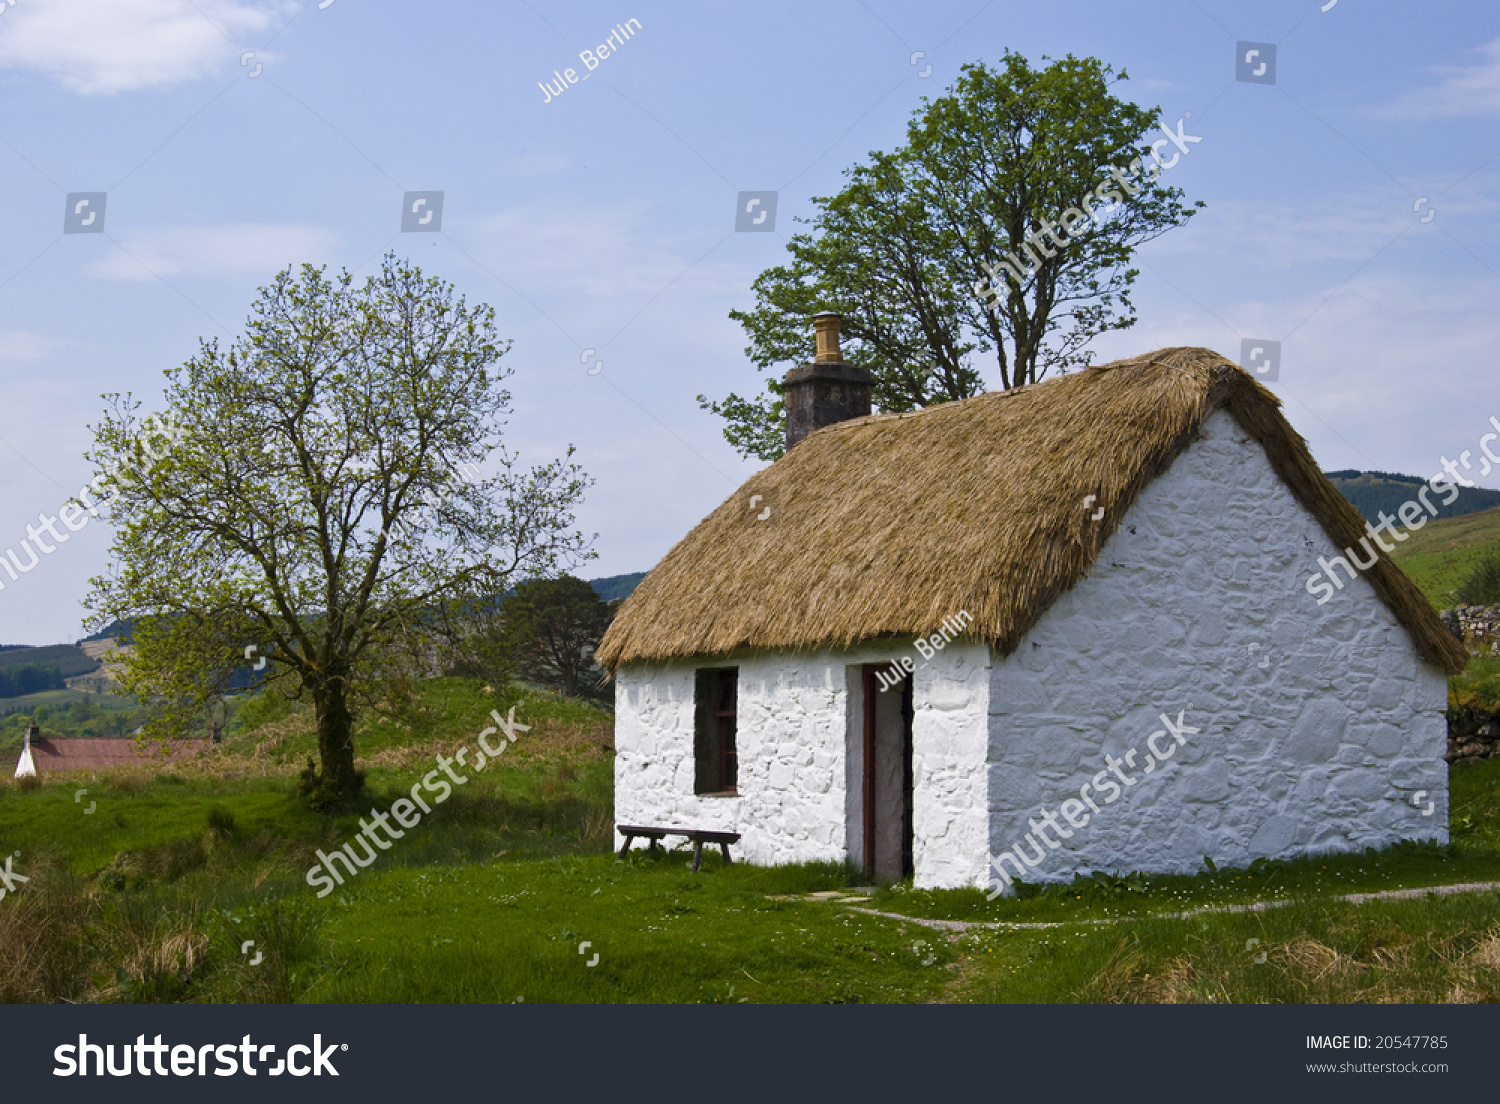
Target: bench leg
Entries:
(626, 848)
(653, 844)
(697, 854)
(724, 847)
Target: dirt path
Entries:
(959, 926)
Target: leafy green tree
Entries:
(1482, 586)
(29, 678)
(553, 627)
(913, 252)
(482, 651)
(310, 508)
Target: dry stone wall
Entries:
(1477, 626)
(1474, 733)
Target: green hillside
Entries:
(68, 660)
(1440, 555)
(28, 671)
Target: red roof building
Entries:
(53, 754)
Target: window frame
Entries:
(716, 732)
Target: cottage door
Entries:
(886, 777)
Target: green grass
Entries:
(529, 803)
(513, 930)
(1439, 574)
(1439, 556)
(1448, 534)
(488, 899)
(1476, 689)
(1410, 951)
(1474, 804)
(453, 710)
(1115, 896)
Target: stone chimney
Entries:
(827, 390)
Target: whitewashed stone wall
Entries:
(793, 738)
(1319, 724)
(950, 818)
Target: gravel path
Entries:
(958, 926)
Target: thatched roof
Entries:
(888, 524)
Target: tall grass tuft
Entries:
(42, 951)
(221, 826)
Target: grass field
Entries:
(492, 898)
(1440, 555)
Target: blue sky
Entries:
(604, 220)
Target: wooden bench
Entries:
(697, 835)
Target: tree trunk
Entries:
(338, 783)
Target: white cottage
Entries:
(1058, 629)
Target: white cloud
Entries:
(1351, 226)
(28, 345)
(1381, 375)
(256, 248)
(1462, 90)
(604, 251)
(94, 46)
(1278, 235)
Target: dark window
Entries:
(714, 698)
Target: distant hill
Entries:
(68, 660)
(616, 586)
(1440, 555)
(123, 631)
(25, 670)
(1373, 491)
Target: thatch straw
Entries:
(888, 524)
